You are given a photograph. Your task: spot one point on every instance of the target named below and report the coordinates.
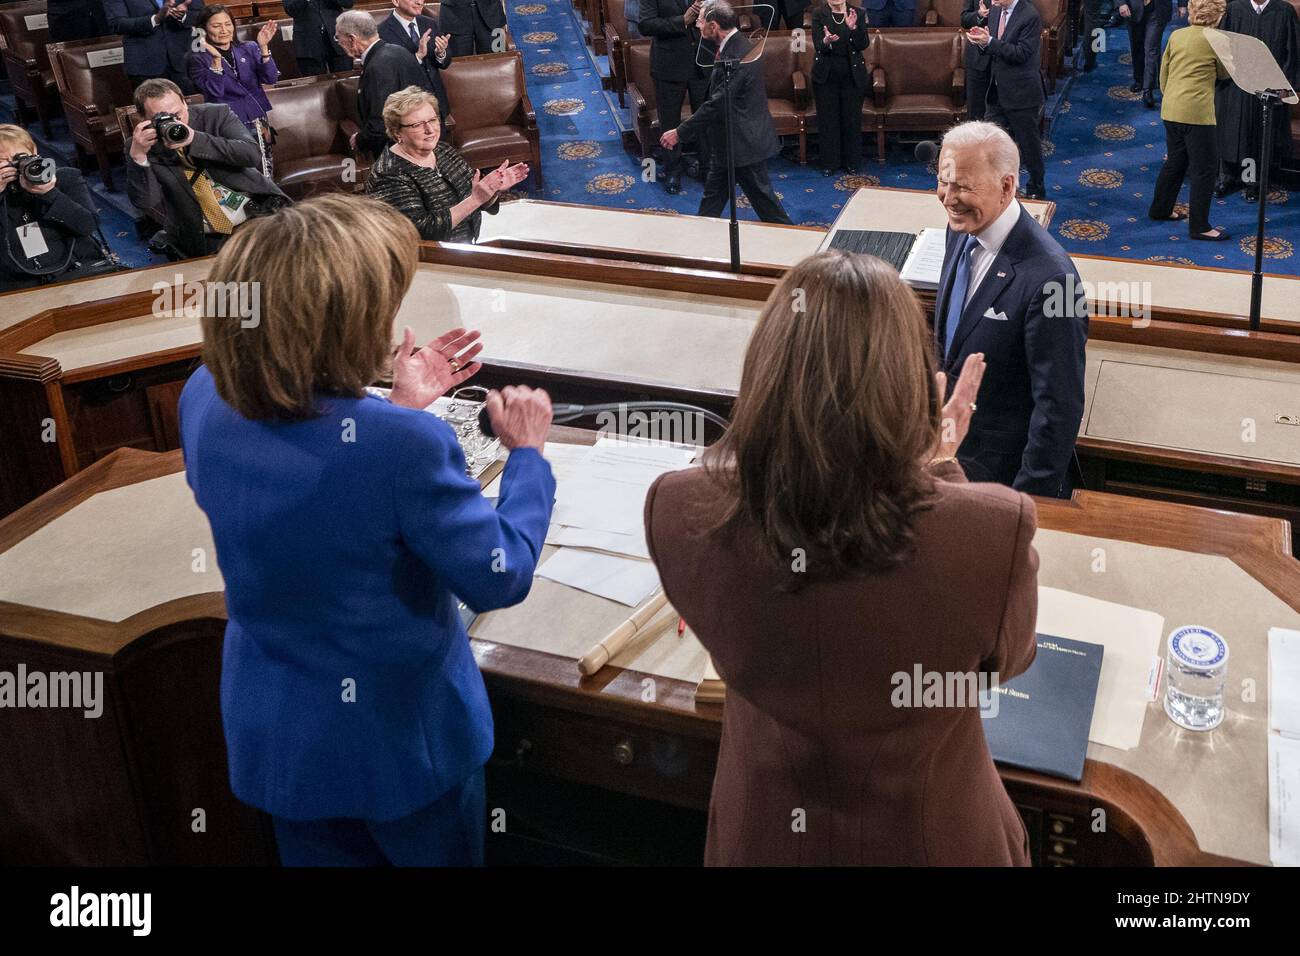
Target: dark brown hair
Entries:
(331, 273)
(837, 415)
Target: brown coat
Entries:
(809, 724)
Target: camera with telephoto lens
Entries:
(34, 170)
(170, 129)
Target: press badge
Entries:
(233, 204)
(32, 240)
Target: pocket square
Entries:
(999, 316)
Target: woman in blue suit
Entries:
(347, 533)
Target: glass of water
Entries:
(1196, 672)
(462, 415)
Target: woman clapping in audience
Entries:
(233, 73)
(427, 179)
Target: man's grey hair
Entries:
(990, 139)
(720, 12)
(356, 23)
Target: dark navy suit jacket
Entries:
(753, 135)
(1031, 400)
(1014, 60)
(313, 27)
(148, 50)
(345, 542)
(391, 31)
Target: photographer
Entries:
(47, 217)
(201, 164)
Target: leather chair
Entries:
(281, 49)
(945, 13)
(91, 95)
(27, 64)
(641, 97)
(616, 38)
(1056, 38)
(494, 119)
(314, 120)
(919, 82)
(787, 87)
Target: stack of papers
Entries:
(598, 518)
(1284, 747)
(924, 265)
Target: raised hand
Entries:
(440, 45)
(957, 411)
(422, 376)
(266, 35)
(827, 36)
(851, 18)
(423, 50)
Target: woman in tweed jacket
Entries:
(428, 181)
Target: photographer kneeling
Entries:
(47, 216)
(201, 164)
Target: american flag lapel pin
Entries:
(1002, 275)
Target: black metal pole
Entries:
(727, 67)
(1266, 98)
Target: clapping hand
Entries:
(851, 18)
(177, 11)
(827, 36)
(421, 376)
(692, 12)
(978, 35)
(266, 35)
(423, 50)
(503, 177)
(440, 46)
(957, 411)
(984, 10)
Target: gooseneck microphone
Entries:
(561, 413)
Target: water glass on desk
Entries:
(462, 415)
(1196, 671)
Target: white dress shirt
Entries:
(988, 244)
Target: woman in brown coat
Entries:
(830, 546)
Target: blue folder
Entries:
(1043, 715)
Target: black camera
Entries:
(170, 129)
(34, 170)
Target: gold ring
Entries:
(455, 366)
(972, 408)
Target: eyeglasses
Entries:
(429, 125)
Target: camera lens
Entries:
(34, 170)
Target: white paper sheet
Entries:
(1283, 800)
(1284, 682)
(625, 580)
(566, 460)
(1130, 636)
(924, 264)
(630, 545)
(608, 493)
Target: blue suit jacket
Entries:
(1015, 60)
(345, 541)
(1031, 399)
(148, 50)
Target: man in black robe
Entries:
(1237, 114)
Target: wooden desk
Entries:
(103, 573)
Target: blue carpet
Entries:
(1103, 153)
(1104, 150)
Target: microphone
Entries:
(927, 151)
(561, 413)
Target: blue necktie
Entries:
(415, 36)
(957, 299)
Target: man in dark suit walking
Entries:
(975, 13)
(156, 37)
(409, 28)
(1015, 96)
(385, 69)
(672, 26)
(313, 35)
(1009, 291)
(1146, 20)
(474, 26)
(76, 20)
(753, 135)
(207, 184)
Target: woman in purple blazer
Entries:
(233, 73)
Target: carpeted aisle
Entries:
(1104, 150)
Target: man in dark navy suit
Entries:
(753, 135)
(975, 13)
(1008, 290)
(1015, 94)
(385, 69)
(408, 27)
(476, 26)
(1147, 20)
(313, 35)
(674, 47)
(156, 37)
